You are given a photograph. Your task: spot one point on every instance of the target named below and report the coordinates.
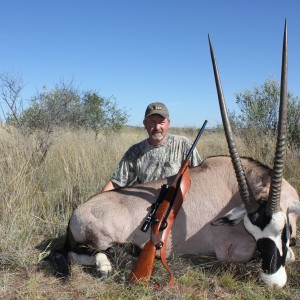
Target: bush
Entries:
(259, 115)
(66, 106)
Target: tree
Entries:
(259, 114)
(11, 90)
(61, 106)
(294, 123)
(99, 113)
(11, 86)
(66, 106)
(58, 107)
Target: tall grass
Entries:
(38, 197)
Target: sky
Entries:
(139, 51)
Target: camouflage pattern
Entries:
(143, 162)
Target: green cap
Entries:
(156, 108)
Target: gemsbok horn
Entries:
(264, 220)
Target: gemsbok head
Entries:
(264, 219)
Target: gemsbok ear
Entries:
(233, 217)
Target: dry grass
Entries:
(38, 197)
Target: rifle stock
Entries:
(143, 268)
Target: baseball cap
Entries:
(157, 108)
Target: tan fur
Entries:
(117, 216)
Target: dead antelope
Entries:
(261, 205)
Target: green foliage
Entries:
(259, 107)
(259, 114)
(66, 106)
(294, 122)
(58, 107)
(100, 113)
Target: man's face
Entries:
(157, 127)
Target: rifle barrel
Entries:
(196, 140)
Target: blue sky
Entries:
(142, 51)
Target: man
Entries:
(159, 156)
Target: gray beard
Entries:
(157, 137)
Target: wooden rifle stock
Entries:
(161, 227)
(143, 268)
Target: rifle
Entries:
(161, 218)
(154, 207)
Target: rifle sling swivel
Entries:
(159, 245)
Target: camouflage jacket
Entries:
(143, 162)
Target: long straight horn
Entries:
(275, 189)
(245, 191)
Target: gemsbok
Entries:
(259, 205)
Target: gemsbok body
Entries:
(260, 207)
